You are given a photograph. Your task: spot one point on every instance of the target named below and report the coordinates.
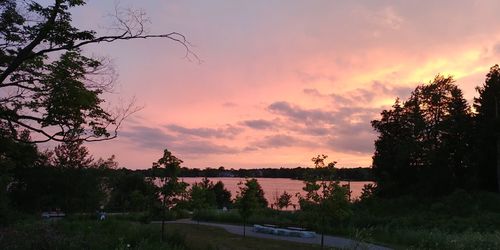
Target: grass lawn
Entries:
(207, 237)
(117, 234)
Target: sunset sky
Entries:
(282, 81)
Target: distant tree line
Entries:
(435, 142)
(299, 173)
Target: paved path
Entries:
(331, 241)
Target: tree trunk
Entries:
(322, 240)
(163, 227)
(498, 144)
(322, 231)
(244, 227)
(163, 221)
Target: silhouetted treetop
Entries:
(48, 85)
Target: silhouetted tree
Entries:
(284, 200)
(393, 165)
(72, 154)
(109, 163)
(171, 188)
(48, 86)
(202, 196)
(487, 130)
(222, 195)
(424, 144)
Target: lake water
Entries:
(273, 186)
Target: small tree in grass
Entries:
(172, 188)
(250, 198)
(326, 201)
